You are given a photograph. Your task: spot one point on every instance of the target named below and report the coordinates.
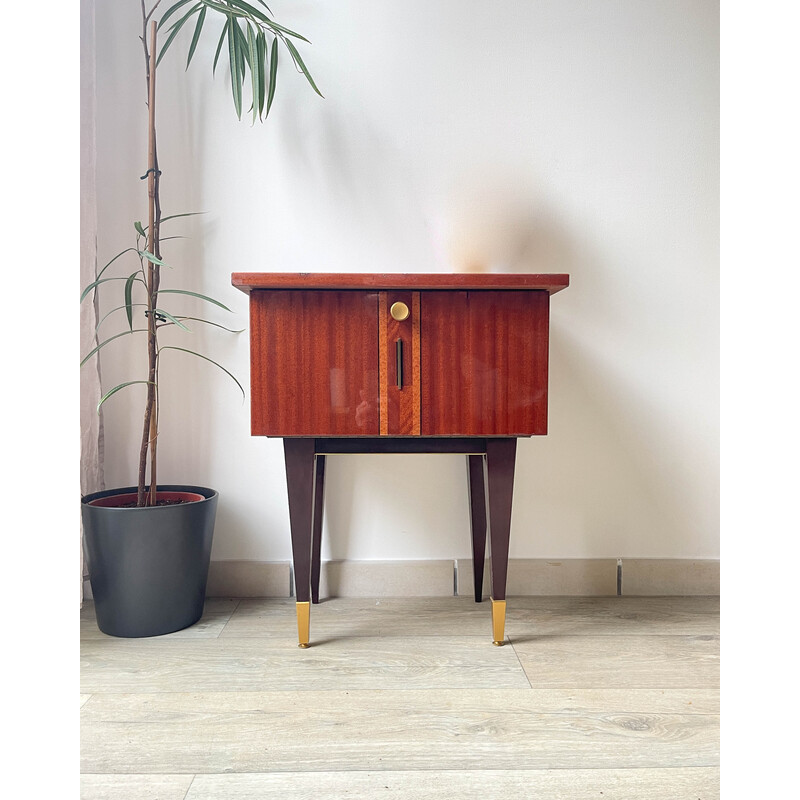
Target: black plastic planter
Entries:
(148, 566)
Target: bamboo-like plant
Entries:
(252, 40)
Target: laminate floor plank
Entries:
(618, 616)
(601, 697)
(389, 730)
(168, 664)
(640, 661)
(682, 783)
(135, 787)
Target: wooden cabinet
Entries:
(334, 362)
(399, 363)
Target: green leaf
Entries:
(110, 339)
(194, 294)
(259, 15)
(175, 29)
(251, 11)
(116, 389)
(215, 324)
(139, 228)
(173, 320)
(129, 298)
(299, 61)
(126, 250)
(274, 25)
(273, 73)
(191, 352)
(150, 257)
(261, 47)
(201, 18)
(223, 9)
(236, 76)
(187, 214)
(93, 284)
(219, 46)
(170, 11)
(253, 50)
(242, 50)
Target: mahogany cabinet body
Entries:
(461, 367)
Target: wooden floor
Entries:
(602, 698)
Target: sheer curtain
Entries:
(91, 422)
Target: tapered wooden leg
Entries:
(500, 459)
(299, 455)
(477, 518)
(316, 530)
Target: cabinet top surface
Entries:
(462, 281)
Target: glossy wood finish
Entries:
(248, 281)
(500, 459)
(476, 477)
(316, 525)
(399, 399)
(484, 357)
(314, 363)
(299, 457)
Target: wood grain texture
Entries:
(248, 281)
(314, 363)
(484, 363)
(387, 730)
(135, 787)
(682, 783)
(404, 709)
(383, 361)
(240, 665)
(649, 661)
(402, 405)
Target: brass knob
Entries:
(399, 311)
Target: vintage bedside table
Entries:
(399, 363)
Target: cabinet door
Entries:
(484, 363)
(314, 363)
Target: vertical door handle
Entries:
(399, 355)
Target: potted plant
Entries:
(148, 546)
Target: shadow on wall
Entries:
(366, 196)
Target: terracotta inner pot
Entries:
(163, 499)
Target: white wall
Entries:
(559, 136)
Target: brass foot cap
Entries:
(498, 644)
(303, 645)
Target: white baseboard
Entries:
(579, 577)
(249, 579)
(585, 577)
(387, 579)
(670, 576)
